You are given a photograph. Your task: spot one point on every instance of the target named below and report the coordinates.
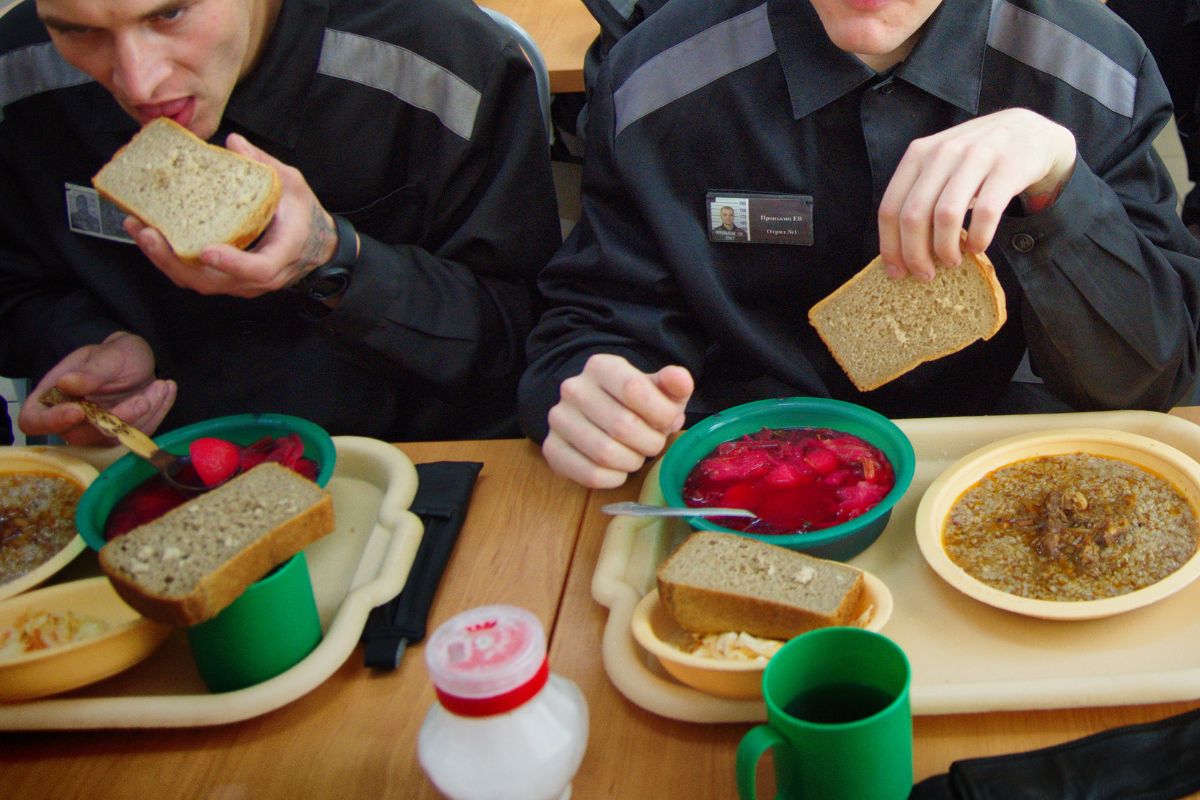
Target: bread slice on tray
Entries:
(194, 193)
(189, 564)
(879, 328)
(718, 582)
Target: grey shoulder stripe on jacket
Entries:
(33, 70)
(1045, 46)
(403, 74)
(693, 64)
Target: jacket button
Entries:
(1023, 242)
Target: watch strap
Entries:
(331, 279)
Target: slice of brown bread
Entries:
(194, 193)
(192, 562)
(717, 582)
(879, 328)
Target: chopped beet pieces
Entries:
(211, 461)
(794, 479)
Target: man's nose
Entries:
(138, 68)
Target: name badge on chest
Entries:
(90, 214)
(759, 218)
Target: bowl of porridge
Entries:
(1074, 523)
(40, 489)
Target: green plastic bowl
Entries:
(130, 470)
(840, 542)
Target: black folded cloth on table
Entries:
(443, 493)
(1151, 761)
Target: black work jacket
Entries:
(419, 122)
(744, 96)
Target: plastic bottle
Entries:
(504, 726)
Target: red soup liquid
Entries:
(795, 479)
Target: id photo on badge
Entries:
(90, 214)
(728, 219)
(83, 210)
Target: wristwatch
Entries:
(330, 280)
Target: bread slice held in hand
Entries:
(189, 564)
(194, 193)
(719, 582)
(879, 328)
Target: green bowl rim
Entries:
(904, 471)
(326, 453)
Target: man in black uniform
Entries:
(1171, 29)
(867, 128)
(391, 294)
(728, 231)
(83, 217)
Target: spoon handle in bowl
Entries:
(108, 423)
(631, 509)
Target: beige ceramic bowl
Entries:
(655, 630)
(40, 459)
(1174, 466)
(129, 638)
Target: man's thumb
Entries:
(675, 382)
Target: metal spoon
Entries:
(631, 509)
(167, 464)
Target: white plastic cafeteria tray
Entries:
(966, 656)
(363, 563)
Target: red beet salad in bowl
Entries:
(821, 475)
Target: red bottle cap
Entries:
(488, 660)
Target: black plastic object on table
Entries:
(443, 493)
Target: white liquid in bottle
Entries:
(504, 726)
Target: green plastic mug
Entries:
(839, 718)
(270, 628)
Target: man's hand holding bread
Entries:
(612, 416)
(300, 237)
(980, 166)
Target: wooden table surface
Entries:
(530, 539)
(563, 30)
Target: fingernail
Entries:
(210, 259)
(893, 271)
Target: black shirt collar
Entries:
(270, 101)
(817, 72)
(947, 61)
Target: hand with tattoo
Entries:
(300, 237)
(980, 166)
